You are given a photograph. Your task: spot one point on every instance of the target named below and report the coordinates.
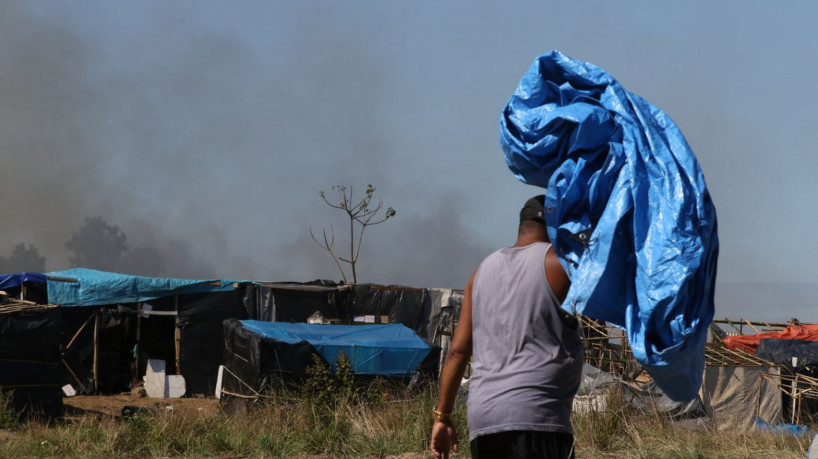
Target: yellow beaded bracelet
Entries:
(440, 416)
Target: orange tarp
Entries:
(749, 343)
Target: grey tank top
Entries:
(526, 352)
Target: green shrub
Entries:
(324, 387)
(9, 417)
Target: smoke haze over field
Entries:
(205, 132)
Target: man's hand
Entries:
(444, 437)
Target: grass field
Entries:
(397, 425)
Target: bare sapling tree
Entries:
(361, 214)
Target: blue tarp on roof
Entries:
(96, 288)
(392, 349)
(14, 280)
(626, 207)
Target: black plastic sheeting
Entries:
(258, 362)
(201, 346)
(30, 360)
(782, 352)
(403, 305)
(293, 302)
(417, 308)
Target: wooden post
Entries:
(792, 395)
(96, 350)
(136, 345)
(798, 418)
(178, 335)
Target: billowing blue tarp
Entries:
(95, 288)
(626, 207)
(15, 280)
(392, 349)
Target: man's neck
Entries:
(528, 239)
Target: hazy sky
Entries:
(206, 129)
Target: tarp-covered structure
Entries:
(113, 323)
(387, 350)
(258, 354)
(627, 209)
(737, 395)
(90, 287)
(731, 397)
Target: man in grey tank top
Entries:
(525, 351)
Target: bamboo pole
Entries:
(798, 417)
(87, 321)
(792, 395)
(751, 326)
(82, 386)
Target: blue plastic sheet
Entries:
(393, 349)
(15, 280)
(796, 430)
(627, 209)
(96, 288)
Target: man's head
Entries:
(532, 218)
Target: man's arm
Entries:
(444, 435)
(556, 276)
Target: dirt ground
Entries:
(113, 405)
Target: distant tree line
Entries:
(96, 245)
(23, 258)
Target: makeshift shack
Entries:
(113, 323)
(738, 387)
(793, 348)
(260, 354)
(108, 325)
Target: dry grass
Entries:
(623, 432)
(295, 426)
